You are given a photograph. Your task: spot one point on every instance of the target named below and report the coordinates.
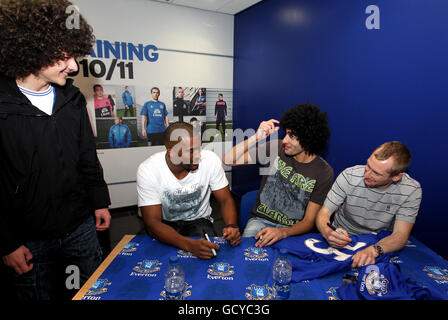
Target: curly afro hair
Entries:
(309, 124)
(34, 35)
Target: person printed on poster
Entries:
(221, 114)
(119, 134)
(128, 102)
(103, 107)
(180, 106)
(201, 103)
(198, 125)
(154, 119)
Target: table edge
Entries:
(112, 255)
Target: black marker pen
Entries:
(336, 230)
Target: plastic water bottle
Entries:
(282, 276)
(174, 280)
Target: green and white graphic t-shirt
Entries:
(285, 192)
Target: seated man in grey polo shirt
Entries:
(370, 198)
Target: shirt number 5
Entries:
(340, 256)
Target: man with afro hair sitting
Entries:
(296, 179)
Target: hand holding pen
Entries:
(337, 238)
(202, 248)
(208, 239)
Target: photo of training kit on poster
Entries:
(211, 158)
(137, 116)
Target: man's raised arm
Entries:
(240, 153)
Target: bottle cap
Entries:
(283, 252)
(174, 260)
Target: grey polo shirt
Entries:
(362, 209)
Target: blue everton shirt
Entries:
(311, 256)
(156, 112)
(384, 281)
(201, 99)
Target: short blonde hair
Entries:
(399, 151)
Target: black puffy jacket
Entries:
(50, 175)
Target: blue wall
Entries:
(376, 85)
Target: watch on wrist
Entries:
(379, 250)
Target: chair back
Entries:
(247, 203)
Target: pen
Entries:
(333, 228)
(208, 239)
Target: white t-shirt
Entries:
(186, 199)
(44, 100)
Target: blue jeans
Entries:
(47, 279)
(255, 224)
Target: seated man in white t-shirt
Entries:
(174, 188)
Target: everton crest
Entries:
(254, 253)
(185, 254)
(99, 287)
(376, 284)
(436, 273)
(332, 293)
(220, 270)
(129, 248)
(147, 266)
(255, 292)
(186, 293)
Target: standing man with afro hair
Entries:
(298, 179)
(53, 194)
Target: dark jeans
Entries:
(130, 110)
(47, 280)
(193, 228)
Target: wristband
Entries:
(232, 225)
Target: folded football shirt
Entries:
(383, 281)
(312, 257)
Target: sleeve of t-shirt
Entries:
(144, 111)
(164, 110)
(409, 210)
(218, 178)
(322, 186)
(147, 191)
(338, 192)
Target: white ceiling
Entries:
(222, 6)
